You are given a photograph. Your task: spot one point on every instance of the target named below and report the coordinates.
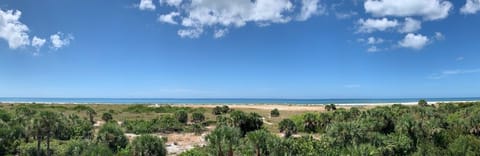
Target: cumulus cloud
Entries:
(428, 9)
(414, 41)
(190, 33)
(12, 30)
(410, 25)
(168, 18)
(371, 25)
(196, 15)
(175, 3)
(60, 40)
(38, 42)
(310, 8)
(146, 5)
(373, 40)
(471, 7)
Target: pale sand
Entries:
(265, 107)
(300, 107)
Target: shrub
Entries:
(107, 117)
(198, 117)
(112, 136)
(148, 145)
(275, 113)
(221, 110)
(140, 126)
(181, 116)
(422, 102)
(288, 127)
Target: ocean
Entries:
(223, 100)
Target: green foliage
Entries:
(107, 117)
(198, 117)
(422, 102)
(330, 107)
(221, 110)
(246, 122)
(197, 129)
(112, 136)
(275, 113)
(159, 109)
(195, 152)
(168, 123)
(222, 140)
(141, 126)
(148, 145)
(288, 127)
(181, 116)
(465, 145)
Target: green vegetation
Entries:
(182, 116)
(221, 110)
(275, 113)
(423, 129)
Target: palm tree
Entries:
(258, 139)
(223, 136)
(148, 145)
(288, 127)
(45, 124)
(310, 122)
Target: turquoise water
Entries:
(222, 100)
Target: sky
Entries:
(240, 48)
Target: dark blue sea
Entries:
(222, 100)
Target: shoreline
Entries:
(234, 104)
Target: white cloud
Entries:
(12, 30)
(220, 33)
(410, 25)
(146, 5)
(38, 42)
(168, 18)
(373, 49)
(190, 33)
(345, 15)
(373, 40)
(439, 36)
(471, 7)
(428, 9)
(60, 40)
(175, 3)
(414, 41)
(196, 15)
(310, 8)
(371, 25)
(446, 73)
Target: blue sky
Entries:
(240, 48)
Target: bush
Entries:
(288, 127)
(140, 126)
(221, 110)
(275, 113)
(107, 117)
(198, 117)
(181, 116)
(422, 102)
(112, 136)
(246, 123)
(148, 145)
